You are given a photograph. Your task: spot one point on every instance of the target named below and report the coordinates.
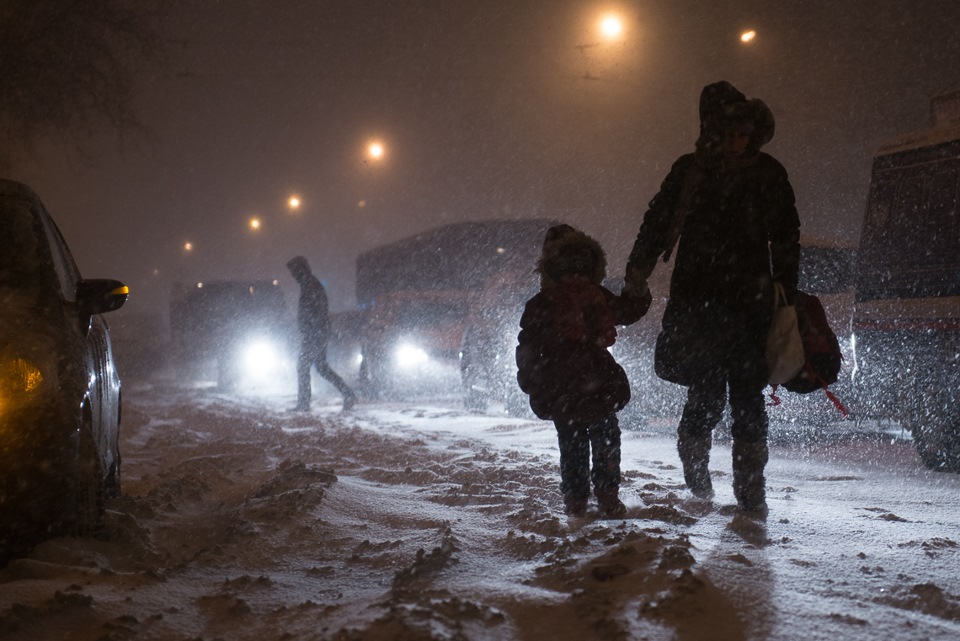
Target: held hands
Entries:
(635, 299)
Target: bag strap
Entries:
(775, 400)
(823, 385)
(836, 402)
(690, 182)
(779, 296)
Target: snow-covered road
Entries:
(239, 520)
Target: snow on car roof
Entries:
(919, 139)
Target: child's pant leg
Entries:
(574, 442)
(605, 442)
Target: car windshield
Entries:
(415, 314)
(21, 249)
(219, 307)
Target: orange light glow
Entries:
(611, 26)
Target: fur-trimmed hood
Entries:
(568, 250)
(722, 105)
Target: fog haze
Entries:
(486, 109)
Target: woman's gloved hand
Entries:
(635, 298)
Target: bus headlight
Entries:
(260, 358)
(407, 355)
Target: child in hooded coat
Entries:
(564, 365)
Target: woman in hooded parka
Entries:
(729, 209)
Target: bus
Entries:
(906, 319)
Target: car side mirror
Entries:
(99, 296)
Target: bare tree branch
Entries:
(69, 67)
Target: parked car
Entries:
(410, 342)
(59, 389)
(243, 328)
(906, 321)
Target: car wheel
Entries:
(112, 486)
(113, 476)
(365, 380)
(517, 404)
(89, 491)
(473, 400)
(376, 384)
(934, 423)
(227, 375)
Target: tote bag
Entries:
(785, 357)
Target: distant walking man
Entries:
(313, 320)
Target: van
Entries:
(242, 326)
(906, 320)
(410, 342)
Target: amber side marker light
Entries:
(19, 381)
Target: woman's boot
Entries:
(749, 484)
(695, 456)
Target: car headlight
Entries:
(407, 355)
(20, 382)
(260, 358)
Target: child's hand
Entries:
(635, 284)
(633, 304)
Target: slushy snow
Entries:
(422, 521)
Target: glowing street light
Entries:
(375, 150)
(748, 36)
(611, 26)
(293, 203)
(188, 247)
(254, 223)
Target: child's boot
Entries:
(609, 502)
(574, 505)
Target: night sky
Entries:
(486, 109)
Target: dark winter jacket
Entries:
(739, 233)
(562, 358)
(313, 312)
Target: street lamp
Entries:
(611, 26)
(254, 223)
(375, 150)
(748, 36)
(293, 203)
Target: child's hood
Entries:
(568, 250)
